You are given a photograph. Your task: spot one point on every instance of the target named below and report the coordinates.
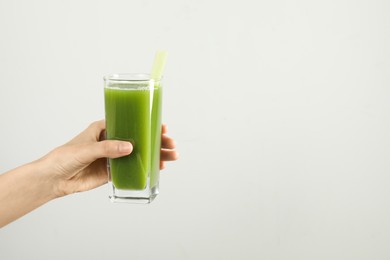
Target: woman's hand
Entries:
(81, 164)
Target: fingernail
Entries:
(125, 147)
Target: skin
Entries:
(77, 166)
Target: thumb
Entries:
(106, 148)
(112, 149)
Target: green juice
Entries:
(133, 113)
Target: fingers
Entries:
(108, 148)
(164, 129)
(168, 155)
(113, 149)
(97, 129)
(162, 165)
(94, 132)
(100, 124)
(167, 148)
(167, 142)
(100, 148)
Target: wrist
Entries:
(23, 189)
(46, 180)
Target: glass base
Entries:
(132, 196)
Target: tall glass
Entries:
(133, 105)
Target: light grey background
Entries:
(280, 110)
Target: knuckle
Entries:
(97, 124)
(106, 148)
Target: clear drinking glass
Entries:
(133, 104)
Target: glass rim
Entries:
(129, 77)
